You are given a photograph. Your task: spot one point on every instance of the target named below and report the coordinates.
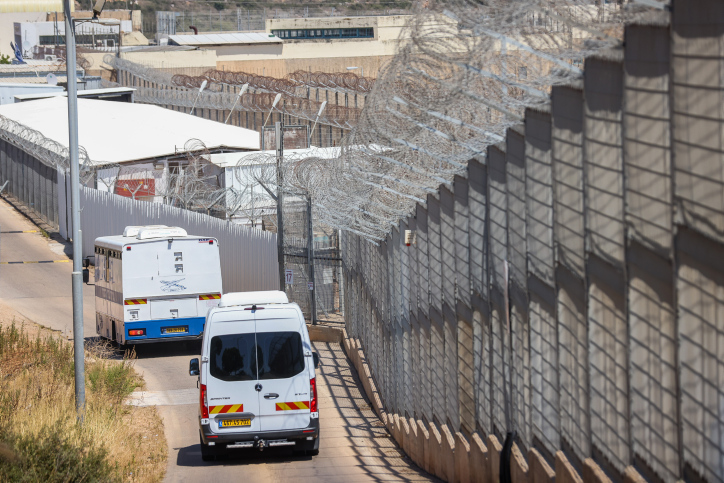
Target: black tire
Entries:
(307, 448)
(207, 453)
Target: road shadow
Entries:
(354, 442)
(156, 350)
(190, 456)
(168, 349)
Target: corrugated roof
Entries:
(158, 48)
(8, 6)
(84, 93)
(224, 160)
(225, 39)
(121, 132)
(31, 79)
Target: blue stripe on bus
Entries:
(153, 327)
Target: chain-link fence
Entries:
(318, 275)
(573, 269)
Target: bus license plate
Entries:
(175, 330)
(230, 423)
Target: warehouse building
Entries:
(134, 148)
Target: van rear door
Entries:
(232, 375)
(285, 395)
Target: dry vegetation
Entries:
(39, 437)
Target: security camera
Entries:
(98, 7)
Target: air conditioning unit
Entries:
(51, 57)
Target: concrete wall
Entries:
(570, 285)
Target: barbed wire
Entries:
(346, 81)
(46, 150)
(185, 94)
(293, 84)
(467, 74)
(464, 76)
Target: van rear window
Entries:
(232, 358)
(279, 355)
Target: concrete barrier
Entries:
(564, 471)
(462, 458)
(494, 449)
(325, 333)
(455, 457)
(478, 459)
(447, 458)
(592, 473)
(518, 466)
(540, 471)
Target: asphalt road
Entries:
(354, 447)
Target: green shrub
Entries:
(52, 458)
(115, 379)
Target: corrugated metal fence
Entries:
(248, 257)
(30, 180)
(563, 246)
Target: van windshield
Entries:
(232, 358)
(279, 354)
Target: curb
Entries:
(325, 333)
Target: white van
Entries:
(155, 283)
(256, 375)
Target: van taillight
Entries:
(203, 402)
(313, 392)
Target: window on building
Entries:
(351, 33)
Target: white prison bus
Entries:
(155, 283)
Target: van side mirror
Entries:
(194, 367)
(315, 358)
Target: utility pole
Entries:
(77, 274)
(310, 259)
(278, 137)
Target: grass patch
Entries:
(40, 439)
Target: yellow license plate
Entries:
(230, 423)
(176, 330)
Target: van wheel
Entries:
(207, 454)
(307, 448)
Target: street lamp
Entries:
(77, 274)
(238, 97)
(274, 104)
(201, 89)
(361, 70)
(321, 109)
(73, 150)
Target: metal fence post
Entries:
(278, 135)
(310, 255)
